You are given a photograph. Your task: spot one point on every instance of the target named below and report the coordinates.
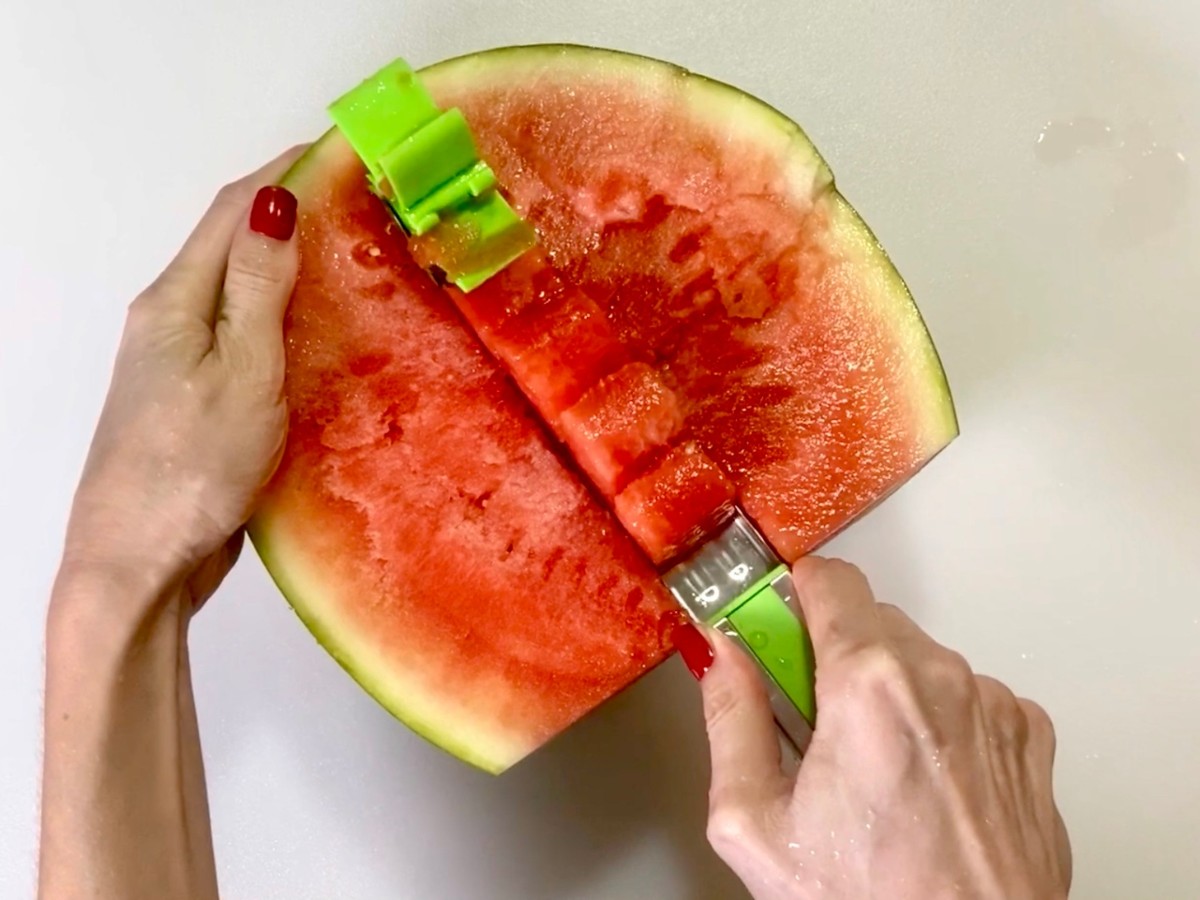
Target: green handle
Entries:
(779, 640)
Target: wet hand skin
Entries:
(923, 780)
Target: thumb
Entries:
(747, 773)
(259, 278)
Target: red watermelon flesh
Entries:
(677, 503)
(620, 422)
(424, 525)
(558, 348)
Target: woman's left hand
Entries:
(195, 420)
(193, 428)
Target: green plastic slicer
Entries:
(423, 163)
(736, 583)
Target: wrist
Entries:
(110, 605)
(143, 537)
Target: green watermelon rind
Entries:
(737, 111)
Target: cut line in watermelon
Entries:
(425, 526)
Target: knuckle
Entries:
(952, 672)
(1039, 720)
(821, 576)
(894, 619)
(268, 380)
(729, 826)
(254, 362)
(879, 667)
(142, 304)
(254, 276)
(231, 194)
(1000, 706)
(823, 584)
(203, 394)
(719, 705)
(845, 575)
(143, 312)
(1006, 715)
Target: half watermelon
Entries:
(706, 316)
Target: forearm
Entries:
(124, 806)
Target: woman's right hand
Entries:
(923, 780)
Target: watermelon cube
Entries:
(524, 286)
(619, 422)
(676, 504)
(557, 351)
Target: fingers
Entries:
(193, 278)
(1043, 743)
(259, 277)
(742, 736)
(838, 607)
(1005, 719)
(1040, 751)
(1062, 840)
(1040, 747)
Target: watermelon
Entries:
(677, 503)
(620, 422)
(477, 488)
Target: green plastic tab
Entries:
(381, 111)
(496, 235)
(423, 216)
(778, 639)
(424, 164)
(440, 153)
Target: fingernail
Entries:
(694, 648)
(274, 213)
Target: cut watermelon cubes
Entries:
(677, 503)
(557, 350)
(619, 422)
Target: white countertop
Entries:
(1055, 543)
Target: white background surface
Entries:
(1055, 543)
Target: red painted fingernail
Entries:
(274, 213)
(695, 650)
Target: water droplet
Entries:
(1151, 187)
(1061, 140)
